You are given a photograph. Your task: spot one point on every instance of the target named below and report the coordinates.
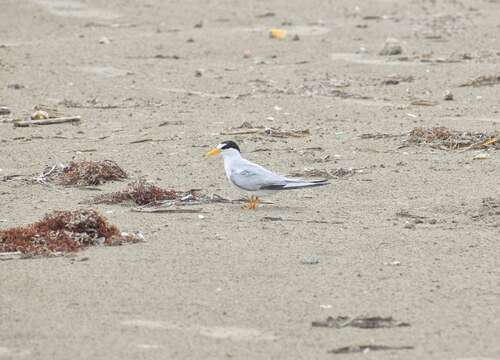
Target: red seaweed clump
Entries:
(140, 193)
(90, 172)
(63, 231)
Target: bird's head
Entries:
(225, 148)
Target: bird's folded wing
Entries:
(255, 178)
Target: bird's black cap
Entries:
(229, 144)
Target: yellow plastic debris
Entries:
(279, 34)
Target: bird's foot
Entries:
(252, 203)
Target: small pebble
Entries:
(104, 40)
(409, 225)
(4, 110)
(448, 96)
(199, 73)
(391, 47)
(310, 260)
(15, 86)
(279, 34)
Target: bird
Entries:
(253, 178)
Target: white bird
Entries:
(253, 178)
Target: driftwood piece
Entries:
(50, 121)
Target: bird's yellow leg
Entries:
(248, 205)
(252, 203)
(256, 202)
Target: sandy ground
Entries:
(233, 284)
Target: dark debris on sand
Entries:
(63, 232)
(372, 322)
(151, 197)
(139, 192)
(352, 349)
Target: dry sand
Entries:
(401, 238)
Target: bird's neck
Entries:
(230, 156)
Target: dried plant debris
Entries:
(340, 173)
(483, 80)
(152, 198)
(447, 139)
(139, 192)
(378, 136)
(83, 173)
(63, 232)
(373, 322)
(352, 349)
(424, 102)
(247, 129)
(395, 79)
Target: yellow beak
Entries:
(212, 153)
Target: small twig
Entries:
(41, 179)
(163, 210)
(242, 132)
(140, 141)
(60, 120)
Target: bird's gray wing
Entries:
(252, 177)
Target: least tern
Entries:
(253, 178)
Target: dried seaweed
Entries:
(373, 322)
(152, 198)
(139, 192)
(447, 139)
(191, 197)
(83, 173)
(63, 231)
(366, 348)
